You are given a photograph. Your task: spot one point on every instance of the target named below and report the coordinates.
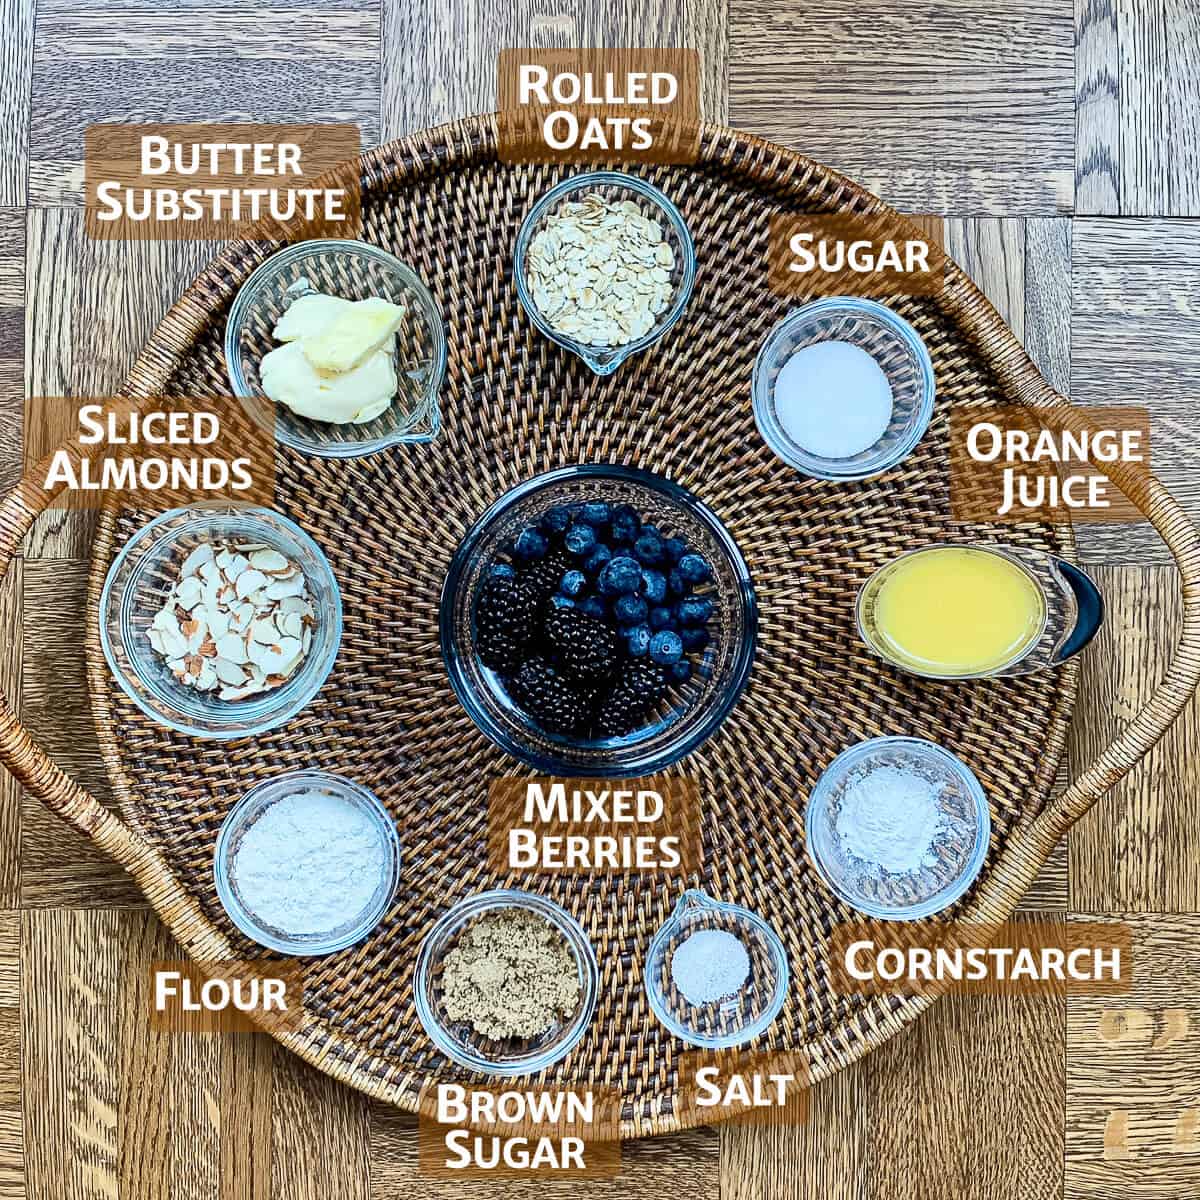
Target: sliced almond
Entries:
(282, 588)
(264, 631)
(197, 558)
(229, 672)
(233, 648)
(190, 592)
(248, 582)
(240, 693)
(269, 561)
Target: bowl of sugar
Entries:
(843, 389)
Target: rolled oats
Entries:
(599, 271)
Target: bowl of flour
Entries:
(307, 863)
(898, 827)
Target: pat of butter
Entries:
(308, 316)
(354, 396)
(357, 332)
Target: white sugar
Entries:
(833, 399)
(710, 965)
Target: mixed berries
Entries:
(591, 617)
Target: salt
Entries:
(833, 399)
(709, 965)
(310, 864)
(890, 817)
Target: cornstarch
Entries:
(890, 817)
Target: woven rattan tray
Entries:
(514, 405)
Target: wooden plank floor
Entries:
(1057, 150)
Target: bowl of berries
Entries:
(598, 621)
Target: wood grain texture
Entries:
(12, 1156)
(960, 107)
(11, 647)
(12, 342)
(60, 867)
(1133, 1073)
(99, 62)
(968, 1102)
(1097, 108)
(1138, 849)
(16, 71)
(439, 60)
(1135, 340)
(684, 1165)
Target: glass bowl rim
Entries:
(956, 888)
(642, 763)
(701, 900)
(582, 950)
(235, 819)
(596, 357)
(762, 394)
(315, 248)
(259, 712)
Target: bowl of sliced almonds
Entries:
(221, 621)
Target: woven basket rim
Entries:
(436, 149)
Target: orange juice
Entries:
(955, 610)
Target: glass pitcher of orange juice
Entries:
(950, 611)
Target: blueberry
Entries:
(652, 529)
(580, 540)
(502, 570)
(666, 647)
(694, 639)
(654, 586)
(695, 610)
(573, 582)
(626, 525)
(680, 672)
(530, 545)
(693, 568)
(676, 584)
(661, 618)
(630, 609)
(597, 560)
(594, 607)
(559, 601)
(556, 519)
(648, 549)
(637, 640)
(623, 574)
(674, 549)
(595, 513)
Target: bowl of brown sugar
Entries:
(506, 983)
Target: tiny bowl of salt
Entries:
(843, 389)
(716, 974)
(307, 863)
(898, 827)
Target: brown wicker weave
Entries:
(514, 405)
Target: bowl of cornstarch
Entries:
(716, 974)
(898, 827)
(307, 863)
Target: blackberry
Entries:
(499, 652)
(544, 576)
(549, 698)
(585, 648)
(506, 606)
(638, 690)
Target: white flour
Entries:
(310, 864)
(890, 817)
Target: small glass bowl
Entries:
(691, 713)
(248, 810)
(959, 848)
(732, 1020)
(355, 271)
(613, 185)
(137, 584)
(896, 347)
(458, 1040)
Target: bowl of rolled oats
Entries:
(604, 266)
(220, 620)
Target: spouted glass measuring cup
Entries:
(949, 611)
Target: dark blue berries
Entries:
(591, 615)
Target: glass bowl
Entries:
(137, 584)
(353, 270)
(691, 713)
(613, 185)
(250, 808)
(731, 1020)
(458, 1040)
(959, 848)
(896, 347)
